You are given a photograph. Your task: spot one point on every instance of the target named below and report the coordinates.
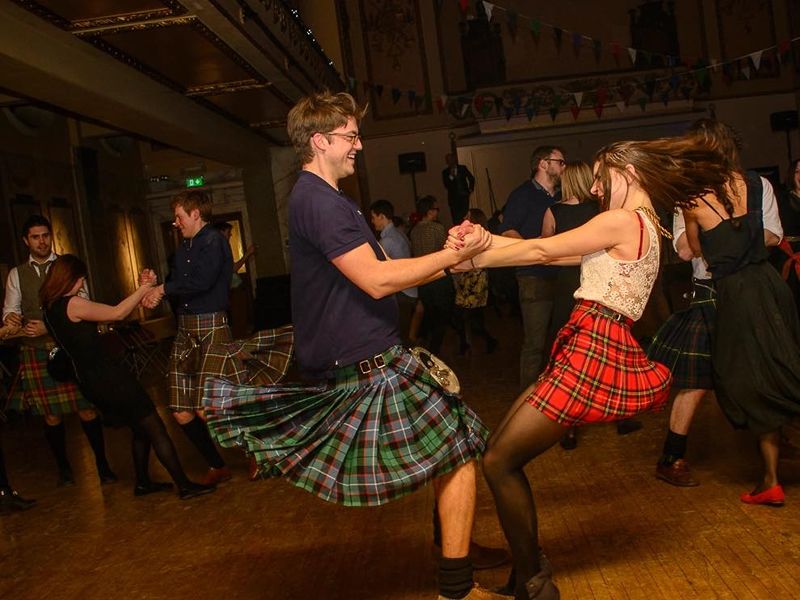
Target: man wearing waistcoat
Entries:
(197, 287)
(36, 390)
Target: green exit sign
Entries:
(195, 181)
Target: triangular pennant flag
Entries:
(578, 98)
(686, 91)
(488, 7)
(598, 50)
(632, 54)
(642, 103)
(557, 101)
(379, 89)
(577, 40)
(674, 82)
(574, 110)
(598, 109)
(536, 29)
(756, 58)
(463, 5)
(478, 102)
(529, 112)
(557, 33)
(715, 65)
(440, 102)
(626, 91)
(412, 97)
(486, 109)
(512, 24)
(498, 104)
(702, 77)
(396, 95)
(553, 113)
(601, 96)
(517, 101)
(508, 110)
(746, 72)
(783, 51)
(621, 106)
(464, 109)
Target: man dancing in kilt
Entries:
(197, 287)
(35, 390)
(372, 424)
(683, 342)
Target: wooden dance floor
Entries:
(610, 528)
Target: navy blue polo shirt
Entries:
(335, 322)
(200, 277)
(524, 212)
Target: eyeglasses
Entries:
(560, 161)
(352, 138)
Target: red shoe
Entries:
(214, 476)
(773, 496)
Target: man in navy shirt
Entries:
(372, 424)
(197, 287)
(522, 218)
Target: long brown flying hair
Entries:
(60, 278)
(674, 172)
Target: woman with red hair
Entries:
(71, 320)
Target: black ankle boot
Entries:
(541, 587)
(151, 487)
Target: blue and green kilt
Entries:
(683, 342)
(356, 439)
(36, 391)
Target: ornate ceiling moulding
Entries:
(276, 21)
(171, 9)
(137, 25)
(226, 87)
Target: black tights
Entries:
(524, 434)
(150, 431)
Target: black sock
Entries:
(94, 433)
(455, 577)
(3, 475)
(674, 447)
(56, 439)
(197, 432)
(148, 432)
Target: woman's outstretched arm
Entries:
(81, 309)
(605, 231)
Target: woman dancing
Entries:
(597, 372)
(71, 321)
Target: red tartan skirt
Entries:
(598, 372)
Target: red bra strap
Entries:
(641, 236)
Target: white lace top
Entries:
(621, 285)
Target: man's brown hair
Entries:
(319, 113)
(190, 199)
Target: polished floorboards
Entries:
(610, 528)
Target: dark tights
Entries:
(524, 434)
(150, 431)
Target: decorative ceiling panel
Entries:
(188, 54)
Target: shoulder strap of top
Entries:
(708, 204)
(641, 235)
(755, 190)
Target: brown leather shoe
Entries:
(678, 473)
(214, 476)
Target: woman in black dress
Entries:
(755, 349)
(71, 320)
(578, 206)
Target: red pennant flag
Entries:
(598, 109)
(574, 110)
(463, 4)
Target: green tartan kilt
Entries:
(357, 439)
(37, 392)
